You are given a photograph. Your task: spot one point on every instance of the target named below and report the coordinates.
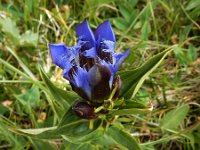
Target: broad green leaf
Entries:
(115, 137)
(36, 131)
(71, 128)
(80, 146)
(135, 104)
(193, 4)
(31, 97)
(130, 111)
(44, 145)
(9, 27)
(66, 97)
(76, 130)
(174, 117)
(28, 39)
(133, 79)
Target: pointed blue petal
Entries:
(110, 46)
(59, 55)
(108, 65)
(106, 46)
(91, 53)
(84, 33)
(66, 71)
(80, 80)
(119, 59)
(104, 32)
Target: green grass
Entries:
(146, 27)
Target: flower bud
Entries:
(99, 81)
(83, 110)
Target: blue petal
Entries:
(91, 53)
(119, 59)
(59, 55)
(84, 33)
(80, 80)
(110, 45)
(107, 46)
(66, 71)
(108, 65)
(104, 32)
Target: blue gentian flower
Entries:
(91, 65)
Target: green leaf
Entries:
(125, 12)
(96, 3)
(9, 27)
(146, 29)
(192, 53)
(115, 137)
(133, 79)
(193, 4)
(80, 146)
(135, 104)
(36, 131)
(129, 13)
(28, 39)
(3, 110)
(71, 128)
(120, 23)
(31, 97)
(185, 56)
(77, 130)
(44, 145)
(174, 117)
(130, 111)
(65, 97)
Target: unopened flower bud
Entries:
(83, 110)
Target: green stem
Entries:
(91, 124)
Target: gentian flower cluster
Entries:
(91, 65)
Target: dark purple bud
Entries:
(83, 110)
(117, 82)
(99, 81)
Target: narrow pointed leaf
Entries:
(133, 79)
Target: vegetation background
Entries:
(147, 27)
